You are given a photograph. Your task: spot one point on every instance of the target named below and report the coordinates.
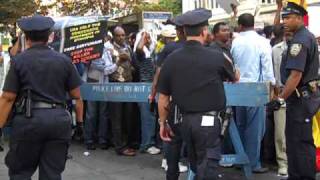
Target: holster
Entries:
(23, 105)
(28, 113)
(310, 98)
(225, 118)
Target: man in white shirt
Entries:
(252, 54)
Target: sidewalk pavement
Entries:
(106, 165)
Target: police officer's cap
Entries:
(177, 21)
(35, 23)
(197, 17)
(293, 8)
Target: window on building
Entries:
(267, 1)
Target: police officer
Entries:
(193, 76)
(37, 84)
(299, 70)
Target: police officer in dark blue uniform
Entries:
(299, 72)
(193, 76)
(37, 84)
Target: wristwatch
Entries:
(282, 101)
(160, 122)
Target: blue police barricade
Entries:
(238, 94)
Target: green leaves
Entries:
(164, 5)
(11, 10)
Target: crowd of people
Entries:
(256, 55)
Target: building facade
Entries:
(264, 10)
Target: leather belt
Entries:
(212, 113)
(45, 105)
(208, 113)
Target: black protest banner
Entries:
(84, 42)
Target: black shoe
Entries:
(91, 146)
(104, 146)
(1, 148)
(260, 170)
(69, 156)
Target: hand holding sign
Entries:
(229, 5)
(123, 56)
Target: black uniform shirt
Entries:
(49, 74)
(219, 46)
(193, 77)
(302, 55)
(167, 50)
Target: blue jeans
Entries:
(148, 126)
(96, 122)
(251, 125)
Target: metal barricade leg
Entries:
(241, 156)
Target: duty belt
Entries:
(212, 113)
(307, 89)
(46, 105)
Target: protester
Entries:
(254, 59)
(145, 58)
(121, 112)
(280, 115)
(97, 113)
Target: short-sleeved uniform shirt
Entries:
(167, 50)
(193, 76)
(49, 74)
(302, 55)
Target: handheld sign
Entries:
(80, 38)
(227, 4)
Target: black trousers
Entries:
(173, 153)
(121, 124)
(41, 141)
(203, 146)
(301, 150)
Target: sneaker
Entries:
(226, 165)
(153, 150)
(182, 168)
(282, 172)
(164, 164)
(282, 175)
(260, 170)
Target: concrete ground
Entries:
(106, 165)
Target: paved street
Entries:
(106, 165)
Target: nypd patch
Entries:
(295, 49)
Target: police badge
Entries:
(295, 49)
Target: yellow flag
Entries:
(316, 129)
(300, 2)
